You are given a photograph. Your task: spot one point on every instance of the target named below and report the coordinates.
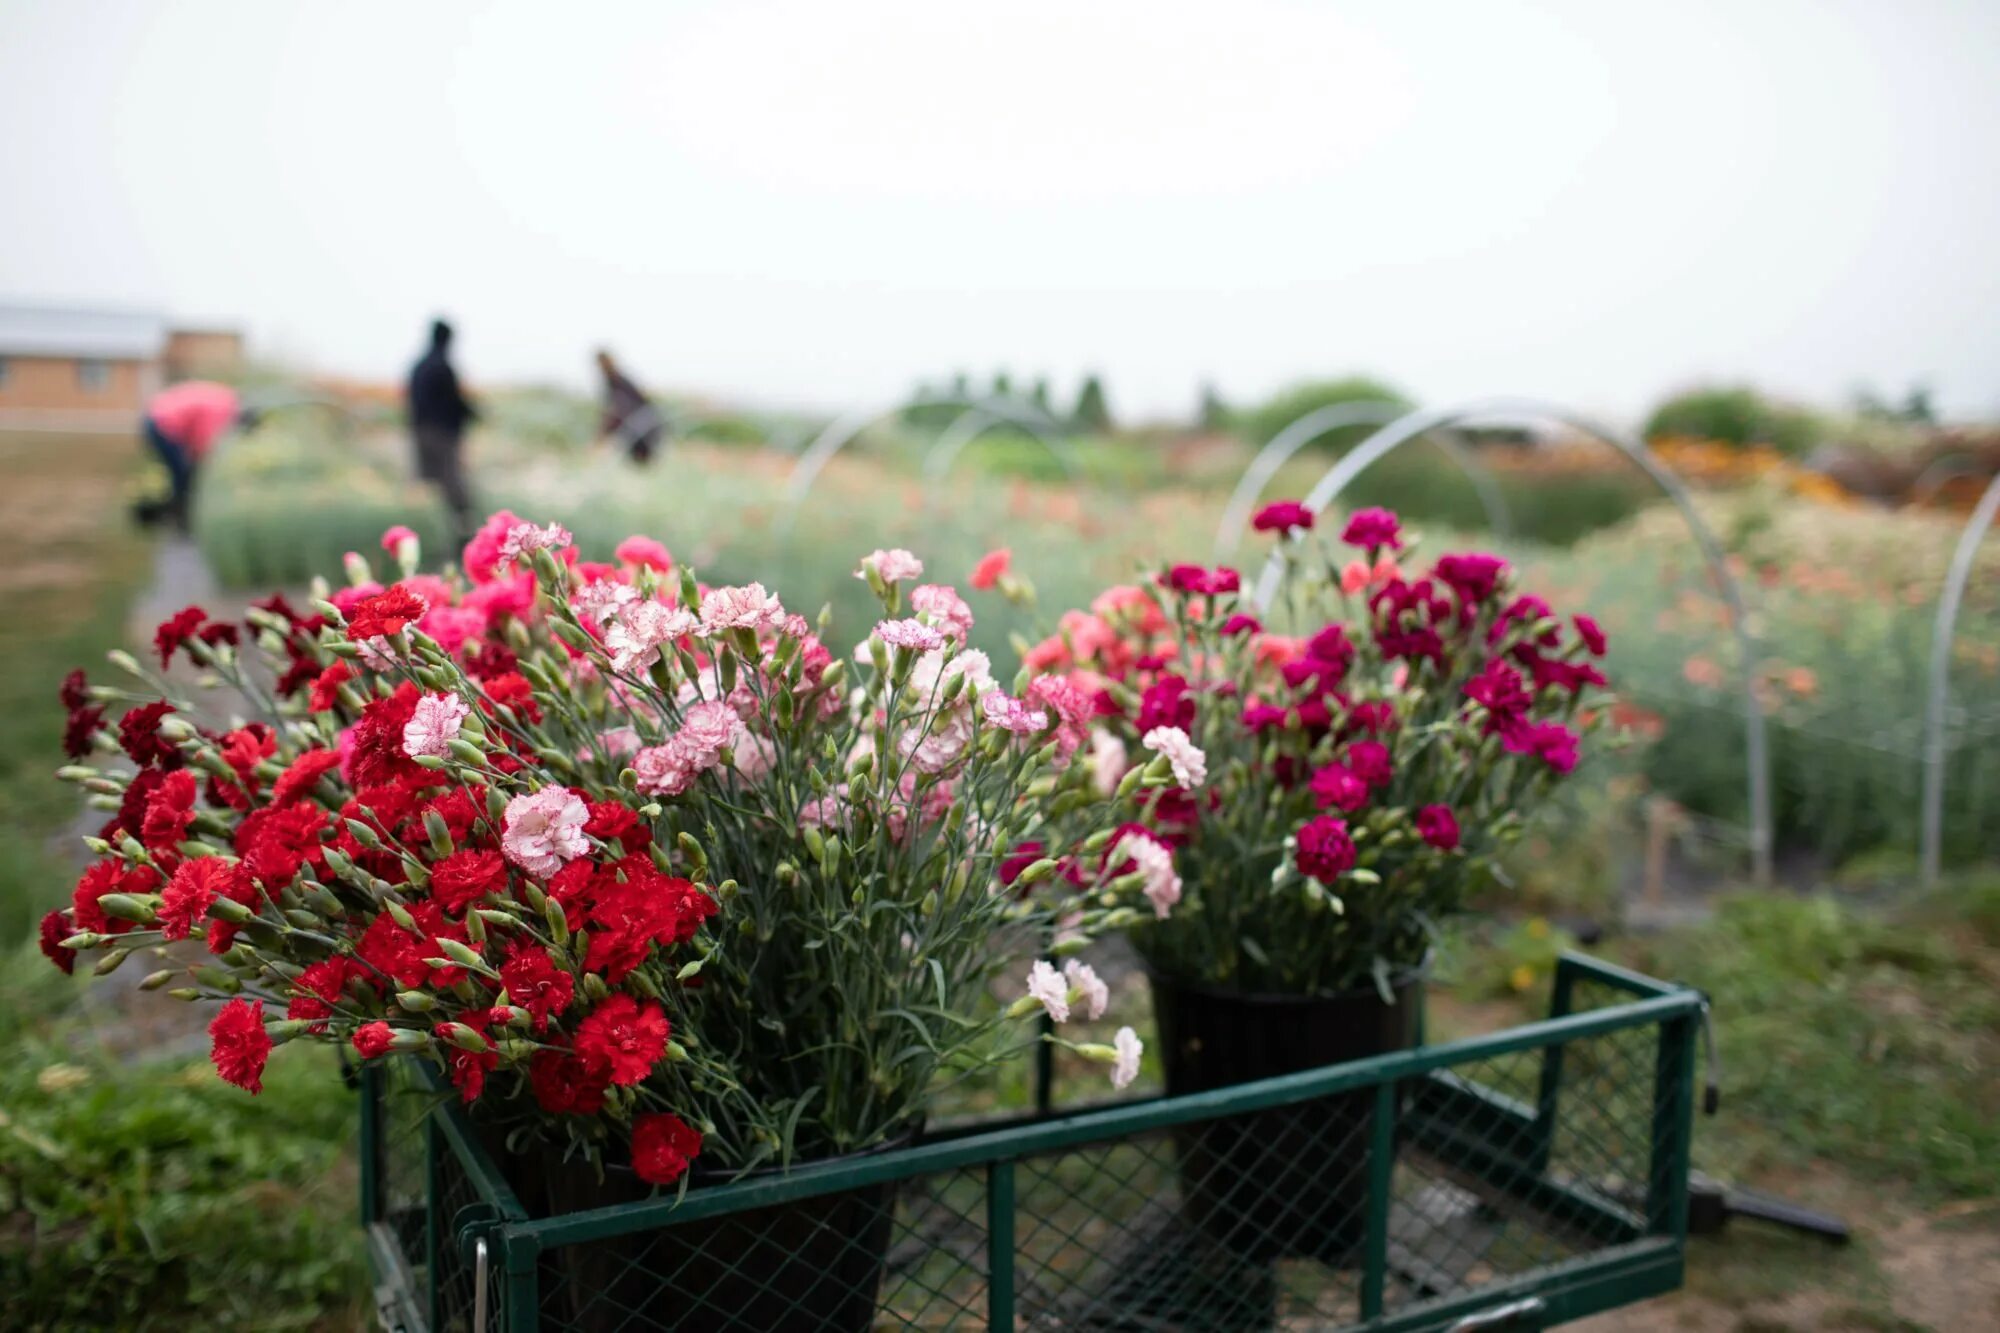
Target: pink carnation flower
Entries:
(664, 769)
(434, 725)
(892, 566)
(1089, 988)
(1047, 987)
(945, 607)
(829, 811)
(543, 830)
(481, 558)
(641, 631)
(748, 607)
(526, 538)
(1155, 861)
(1010, 714)
(601, 599)
(644, 552)
(912, 634)
(1190, 765)
(452, 626)
(707, 729)
(1125, 1067)
(401, 544)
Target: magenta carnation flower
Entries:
(1437, 826)
(1323, 849)
(1372, 528)
(1286, 516)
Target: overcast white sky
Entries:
(816, 202)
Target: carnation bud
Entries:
(546, 568)
(216, 979)
(929, 905)
(128, 907)
(688, 970)
(185, 993)
(109, 963)
(953, 685)
(496, 803)
(228, 909)
(416, 1001)
(364, 835)
(572, 634)
(640, 982)
(155, 980)
(124, 661)
(97, 846)
(815, 843)
(434, 762)
(83, 939)
(475, 928)
(835, 673)
(464, 956)
(440, 835)
(1038, 871)
(401, 914)
(593, 987)
(301, 918)
(77, 773)
(463, 1037)
(697, 858)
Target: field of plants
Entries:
(1841, 596)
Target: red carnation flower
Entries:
(534, 982)
(565, 1085)
(168, 813)
(79, 733)
(662, 1147)
(374, 1040)
(1437, 826)
(463, 878)
(625, 1037)
(326, 687)
(74, 691)
(139, 733)
(176, 630)
(385, 613)
(487, 660)
(1372, 528)
(1324, 849)
(318, 989)
(990, 569)
(614, 821)
(303, 774)
(56, 929)
(378, 758)
(1285, 516)
(470, 1068)
(239, 1045)
(246, 747)
(193, 890)
(102, 878)
(277, 841)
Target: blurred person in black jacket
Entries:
(439, 414)
(629, 417)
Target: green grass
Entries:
(63, 598)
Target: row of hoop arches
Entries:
(1394, 428)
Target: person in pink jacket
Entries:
(182, 425)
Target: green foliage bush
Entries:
(1288, 405)
(157, 1197)
(1735, 414)
(1093, 414)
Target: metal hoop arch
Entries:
(1417, 423)
(970, 424)
(1943, 633)
(843, 430)
(1278, 450)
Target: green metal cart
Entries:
(1516, 1180)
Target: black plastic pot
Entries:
(1291, 1181)
(814, 1264)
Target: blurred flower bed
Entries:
(1842, 596)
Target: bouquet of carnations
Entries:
(629, 859)
(1336, 793)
